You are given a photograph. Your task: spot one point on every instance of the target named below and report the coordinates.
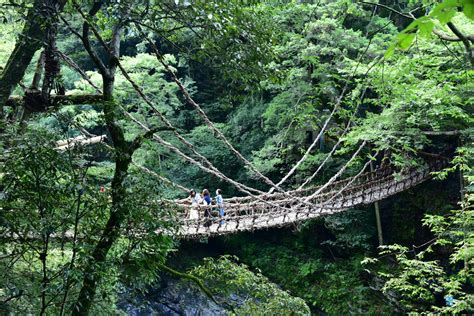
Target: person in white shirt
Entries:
(195, 202)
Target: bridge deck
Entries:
(245, 214)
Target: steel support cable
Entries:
(269, 213)
(310, 148)
(270, 219)
(265, 216)
(321, 205)
(305, 156)
(278, 197)
(343, 133)
(241, 187)
(384, 181)
(200, 111)
(84, 132)
(329, 155)
(346, 186)
(168, 124)
(338, 102)
(164, 179)
(213, 170)
(68, 60)
(177, 151)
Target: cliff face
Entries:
(170, 297)
(235, 289)
(173, 297)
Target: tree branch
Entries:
(38, 72)
(190, 277)
(405, 15)
(442, 133)
(438, 33)
(68, 60)
(85, 37)
(448, 38)
(138, 141)
(73, 142)
(35, 103)
(18, 295)
(464, 40)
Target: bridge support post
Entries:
(379, 223)
(377, 215)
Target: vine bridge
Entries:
(267, 210)
(258, 209)
(282, 209)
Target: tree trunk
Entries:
(378, 219)
(117, 212)
(123, 158)
(52, 67)
(29, 42)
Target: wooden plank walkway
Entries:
(276, 210)
(283, 209)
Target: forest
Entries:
(208, 157)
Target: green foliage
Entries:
(268, 73)
(6, 42)
(312, 69)
(350, 230)
(52, 215)
(260, 296)
(238, 35)
(441, 13)
(413, 95)
(307, 268)
(44, 193)
(425, 285)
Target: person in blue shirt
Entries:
(220, 205)
(207, 210)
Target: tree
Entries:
(116, 18)
(53, 216)
(40, 17)
(260, 295)
(423, 284)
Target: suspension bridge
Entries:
(262, 210)
(259, 210)
(277, 209)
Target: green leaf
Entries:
(447, 15)
(468, 9)
(425, 28)
(405, 40)
(445, 11)
(413, 25)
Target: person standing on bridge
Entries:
(195, 202)
(207, 210)
(220, 205)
